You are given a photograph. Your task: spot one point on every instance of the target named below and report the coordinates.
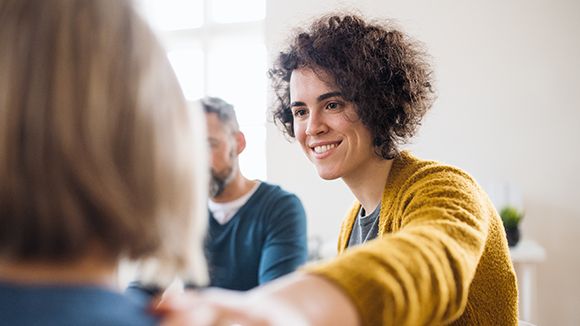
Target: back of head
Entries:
(97, 145)
(372, 63)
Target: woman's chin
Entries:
(328, 175)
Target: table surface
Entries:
(528, 251)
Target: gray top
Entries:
(365, 227)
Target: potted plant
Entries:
(511, 218)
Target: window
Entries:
(217, 48)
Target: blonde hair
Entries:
(96, 142)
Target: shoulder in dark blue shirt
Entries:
(264, 240)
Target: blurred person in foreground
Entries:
(101, 161)
(257, 230)
(422, 245)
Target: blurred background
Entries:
(508, 111)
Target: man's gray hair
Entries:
(224, 110)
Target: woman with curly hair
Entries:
(423, 243)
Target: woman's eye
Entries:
(333, 105)
(299, 113)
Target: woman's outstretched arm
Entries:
(297, 299)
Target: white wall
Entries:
(508, 109)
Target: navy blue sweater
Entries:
(264, 240)
(62, 305)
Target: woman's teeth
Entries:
(323, 148)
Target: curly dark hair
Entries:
(381, 70)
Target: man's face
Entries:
(224, 154)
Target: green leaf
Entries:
(510, 216)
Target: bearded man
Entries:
(257, 230)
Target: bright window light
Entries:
(189, 68)
(237, 73)
(168, 15)
(225, 62)
(234, 11)
(253, 159)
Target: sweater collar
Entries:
(397, 175)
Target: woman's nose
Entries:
(316, 126)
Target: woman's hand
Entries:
(224, 308)
(294, 300)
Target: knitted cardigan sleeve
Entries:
(433, 228)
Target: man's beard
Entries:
(219, 181)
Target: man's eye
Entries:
(212, 144)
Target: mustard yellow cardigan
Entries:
(441, 256)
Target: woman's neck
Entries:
(369, 182)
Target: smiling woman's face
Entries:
(327, 126)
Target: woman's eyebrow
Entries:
(297, 103)
(320, 98)
(328, 95)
